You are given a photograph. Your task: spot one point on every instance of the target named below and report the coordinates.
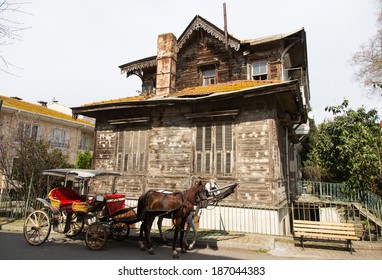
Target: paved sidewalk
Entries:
(282, 247)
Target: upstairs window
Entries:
(84, 142)
(259, 70)
(59, 138)
(36, 132)
(27, 130)
(209, 77)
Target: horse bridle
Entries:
(198, 199)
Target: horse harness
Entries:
(165, 194)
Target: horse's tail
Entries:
(142, 205)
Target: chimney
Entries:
(166, 64)
(43, 103)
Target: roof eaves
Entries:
(171, 100)
(271, 38)
(200, 22)
(30, 108)
(66, 120)
(139, 64)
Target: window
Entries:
(131, 151)
(209, 77)
(27, 130)
(259, 70)
(214, 149)
(84, 142)
(59, 138)
(36, 132)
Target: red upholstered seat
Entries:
(64, 197)
(115, 202)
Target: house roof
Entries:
(268, 39)
(191, 92)
(222, 87)
(200, 23)
(197, 23)
(288, 94)
(18, 104)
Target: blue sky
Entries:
(72, 50)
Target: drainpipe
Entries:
(287, 163)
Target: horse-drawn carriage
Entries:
(70, 205)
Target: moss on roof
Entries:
(223, 87)
(38, 109)
(194, 91)
(119, 100)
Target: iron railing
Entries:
(337, 192)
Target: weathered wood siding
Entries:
(170, 158)
(202, 50)
(105, 150)
(257, 163)
(258, 160)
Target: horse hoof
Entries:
(175, 256)
(191, 246)
(142, 246)
(151, 251)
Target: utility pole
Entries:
(225, 26)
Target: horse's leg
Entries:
(159, 223)
(176, 230)
(149, 223)
(141, 230)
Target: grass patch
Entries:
(262, 251)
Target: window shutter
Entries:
(131, 155)
(214, 149)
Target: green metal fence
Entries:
(336, 192)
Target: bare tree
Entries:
(23, 157)
(10, 28)
(368, 59)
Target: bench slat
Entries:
(326, 231)
(325, 228)
(326, 236)
(312, 223)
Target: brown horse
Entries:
(177, 206)
(215, 194)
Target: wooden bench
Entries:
(321, 231)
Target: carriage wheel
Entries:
(76, 225)
(119, 230)
(96, 236)
(37, 227)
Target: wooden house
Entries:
(212, 107)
